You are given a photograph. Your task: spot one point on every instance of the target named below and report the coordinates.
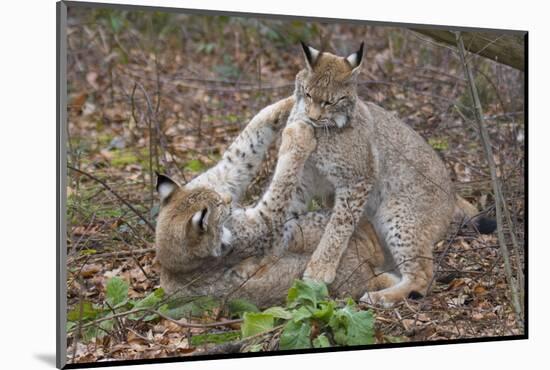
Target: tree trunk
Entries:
(503, 48)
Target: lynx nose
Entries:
(314, 112)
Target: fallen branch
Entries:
(110, 317)
(502, 48)
(236, 346)
(120, 198)
(200, 326)
(161, 315)
(484, 135)
(118, 254)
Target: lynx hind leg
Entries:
(381, 280)
(362, 265)
(372, 249)
(409, 242)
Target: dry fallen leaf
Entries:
(456, 283)
(77, 101)
(91, 78)
(90, 270)
(480, 290)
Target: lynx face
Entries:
(327, 88)
(190, 228)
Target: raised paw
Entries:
(325, 274)
(298, 137)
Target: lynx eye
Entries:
(307, 94)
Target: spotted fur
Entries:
(378, 169)
(240, 162)
(366, 163)
(206, 246)
(190, 226)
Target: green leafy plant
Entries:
(116, 292)
(179, 307)
(438, 143)
(214, 338)
(116, 301)
(311, 319)
(195, 165)
(238, 307)
(256, 322)
(351, 327)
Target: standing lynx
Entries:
(374, 166)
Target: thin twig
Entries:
(136, 260)
(153, 117)
(200, 326)
(515, 247)
(88, 228)
(152, 152)
(118, 254)
(70, 283)
(79, 326)
(120, 198)
(442, 255)
(495, 181)
(236, 346)
(114, 316)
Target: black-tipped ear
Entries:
(310, 54)
(165, 186)
(356, 58)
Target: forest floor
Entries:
(167, 93)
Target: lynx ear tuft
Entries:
(310, 54)
(165, 186)
(356, 58)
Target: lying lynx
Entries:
(196, 210)
(201, 221)
(377, 168)
(265, 279)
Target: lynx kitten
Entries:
(375, 167)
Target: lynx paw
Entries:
(326, 274)
(298, 137)
(377, 299)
